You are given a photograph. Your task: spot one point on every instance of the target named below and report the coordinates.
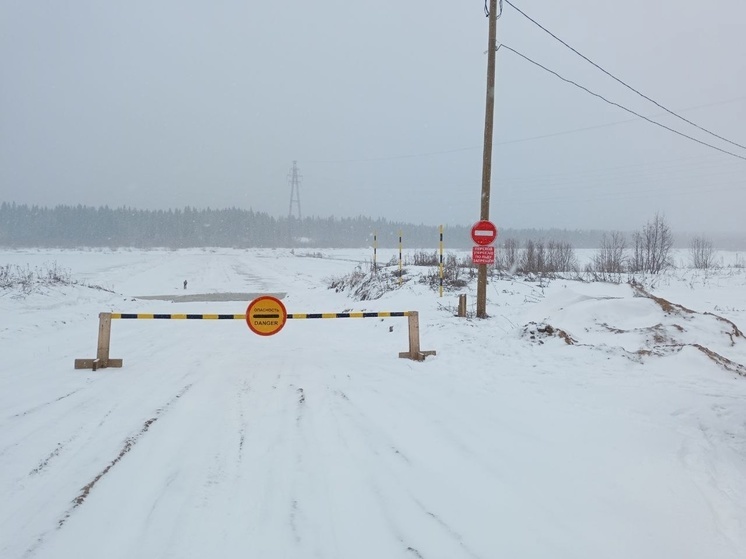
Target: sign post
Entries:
(489, 117)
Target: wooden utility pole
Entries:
(489, 114)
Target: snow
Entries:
(320, 442)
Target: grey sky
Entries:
(173, 103)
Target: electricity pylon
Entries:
(294, 180)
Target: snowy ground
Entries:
(629, 442)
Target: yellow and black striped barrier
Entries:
(104, 330)
(351, 315)
(153, 316)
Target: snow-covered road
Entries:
(320, 442)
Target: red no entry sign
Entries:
(484, 232)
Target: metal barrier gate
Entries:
(103, 360)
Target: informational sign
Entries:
(266, 315)
(484, 232)
(483, 255)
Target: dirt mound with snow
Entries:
(637, 324)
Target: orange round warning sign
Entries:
(266, 315)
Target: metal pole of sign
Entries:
(489, 115)
(441, 260)
(400, 262)
(375, 249)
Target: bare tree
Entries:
(701, 253)
(637, 262)
(561, 257)
(530, 259)
(652, 247)
(544, 259)
(610, 261)
(541, 258)
(507, 257)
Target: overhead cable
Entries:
(622, 106)
(612, 76)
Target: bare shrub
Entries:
(26, 281)
(561, 257)
(701, 253)
(456, 274)
(507, 257)
(364, 286)
(422, 258)
(610, 262)
(530, 261)
(547, 259)
(652, 247)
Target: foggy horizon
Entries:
(382, 106)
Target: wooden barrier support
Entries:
(102, 353)
(414, 352)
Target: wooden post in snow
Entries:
(462, 305)
(414, 352)
(102, 352)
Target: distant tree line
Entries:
(85, 226)
(616, 260)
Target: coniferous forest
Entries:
(86, 226)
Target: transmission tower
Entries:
(294, 180)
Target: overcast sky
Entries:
(164, 104)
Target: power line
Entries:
(622, 192)
(696, 179)
(603, 176)
(393, 157)
(683, 170)
(621, 106)
(605, 125)
(612, 76)
(514, 140)
(594, 180)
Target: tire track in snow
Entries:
(62, 446)
(446, 527)
(42, 406)
(388, 504)
(128, 445)
(226, 460)
(382, 446)
(268, 438)
(44, 462)
(392, 524)
(300, 408)
(366, 428)
(242, 424)
(24, 436)
(251, 279)
(52, 455)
